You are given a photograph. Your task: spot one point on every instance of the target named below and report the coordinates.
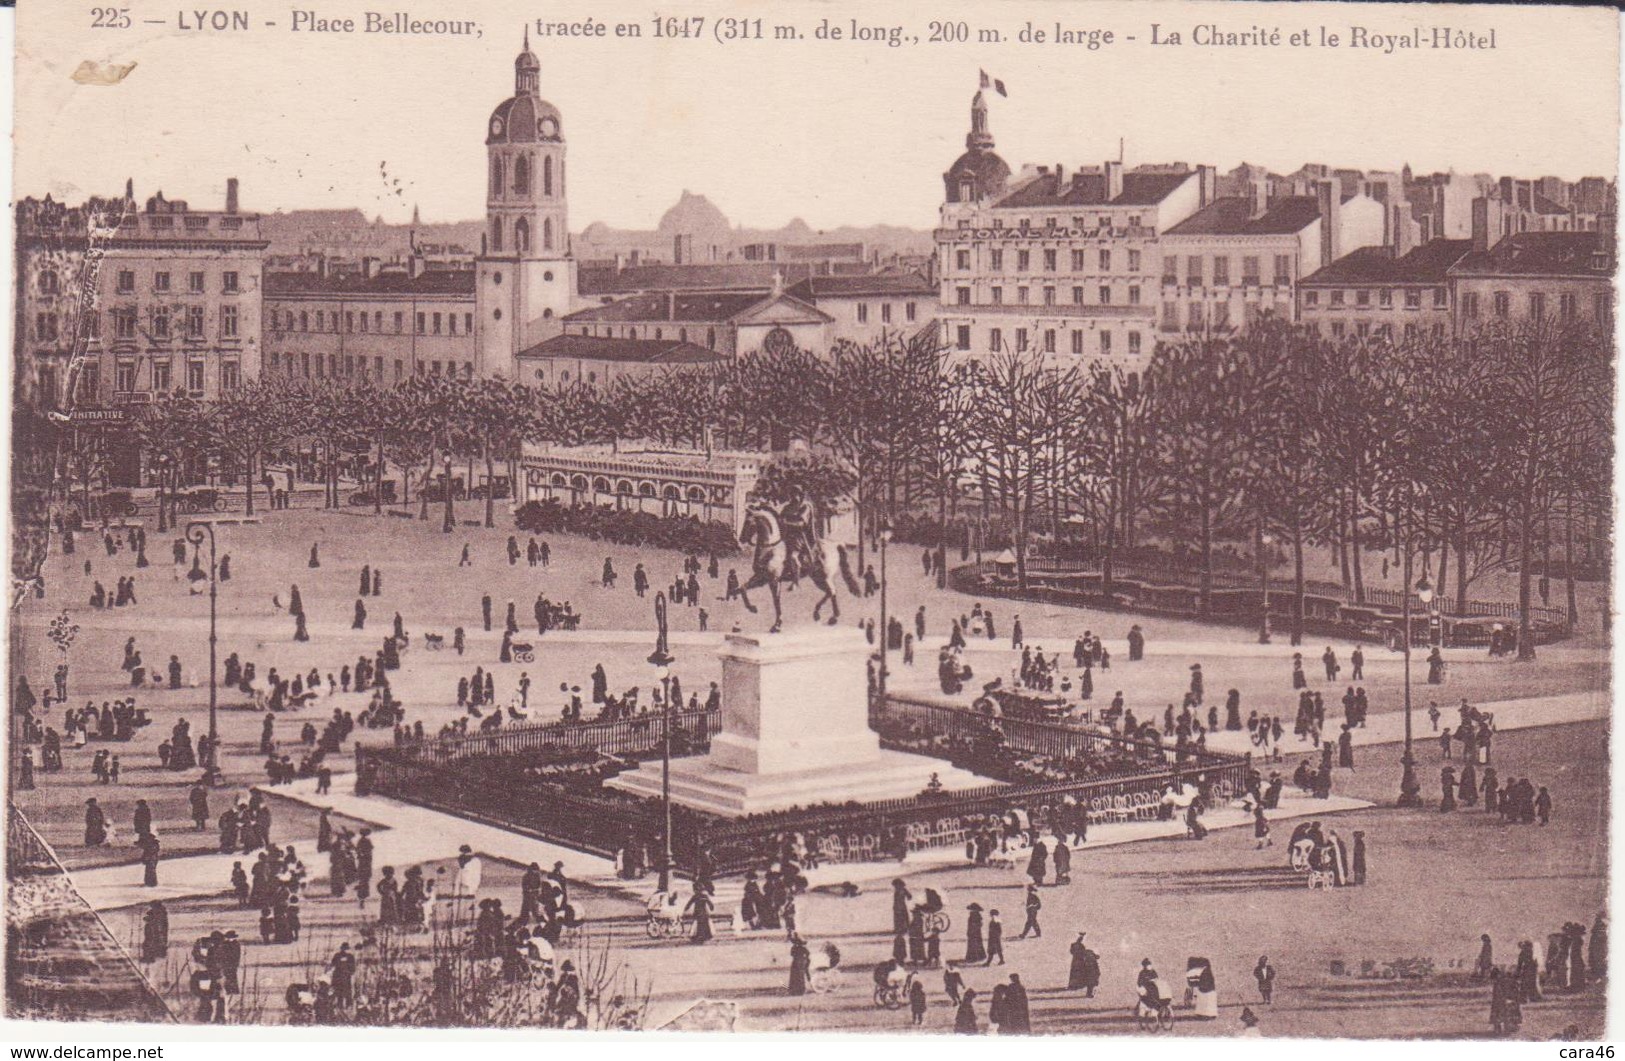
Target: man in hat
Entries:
(469, 868)
(1034, 904)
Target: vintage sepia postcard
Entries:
(1058, 518)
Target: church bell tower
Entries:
(526, 275)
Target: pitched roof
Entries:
(707, 306)
(633, 279)
(459, 282)
(873, 284)
(1585, 254)
(1233, 217)
(1427, 264)
(1089, 189)
(605, 348)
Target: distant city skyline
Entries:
(867, 146)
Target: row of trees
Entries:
(1472, 450)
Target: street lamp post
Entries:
(662, 659)
(885, 618)
(196, 532)
(1409, 789)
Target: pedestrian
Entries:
(1017, 1014)
(916, 1001)
(154, 932)
(1264, 973)
(1543, 805)
(1034, 904)
(800, 965)
(315, 561)
(975, 949)
(485, 611)
(149, 860)
(1084, 973)
(995, 938)
(965, 1022)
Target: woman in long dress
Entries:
(975, 948)
(699, 908)
(1203, 989)
(800, 966)
(965, 1022)
(155, 932)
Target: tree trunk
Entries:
(1461, 565)
(423, 491)
(378, 482)
(163, 522)
(1297, 577)
(1355, 546)
(450, 523)
(248, 481)
(1526, 549)
(1204, 594)
(490, 487)
(1568, 561)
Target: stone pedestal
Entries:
(795, 732)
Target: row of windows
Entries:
(160, 377)
(1538, 305)
(1197, 271)
(427, 322)
(163, 324)
(1051, 259)
(1103, 296)
(522, 168)
(1367, 330)
(1078, 221)
(1385, 297)
(629, 332)
(351, 366)
(162, 282)
(910, 311)
(521, 235)
(1047, 338)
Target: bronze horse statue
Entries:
(772, 563)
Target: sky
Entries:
(834, 132)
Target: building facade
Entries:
(172, 304)
(1239, 258)
(377, 329)
(1562, 276)
(1066, 266)
(862, 309)
(600, 361)
(1374, 293)
(730, 323)
(713, 487)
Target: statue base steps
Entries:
(699, 783)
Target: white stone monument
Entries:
(795, 732)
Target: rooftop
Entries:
(874, 285)
(597, 280)
(705, 306)
(1586, 254)
(1089, 189)
(1427, 264)
(1234, 217)
(632, 351)
(438, 283)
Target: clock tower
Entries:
(526, 275)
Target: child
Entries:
(916, 1001)
(952, 983)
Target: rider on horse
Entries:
(800, 539)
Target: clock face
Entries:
(496, 126)
(548, 127)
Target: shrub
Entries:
(607, 523)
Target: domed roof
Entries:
(986, 170)
(524, 119)
(693, 214)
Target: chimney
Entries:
(1481, 224)
(231, 195)
(1261, 197)
(1207, 181)
(1114, 180)
(1329, 201)
(371, 266)
(620, 263)
(414, 266)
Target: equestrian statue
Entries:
(788, 549)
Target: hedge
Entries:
(625, 527)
